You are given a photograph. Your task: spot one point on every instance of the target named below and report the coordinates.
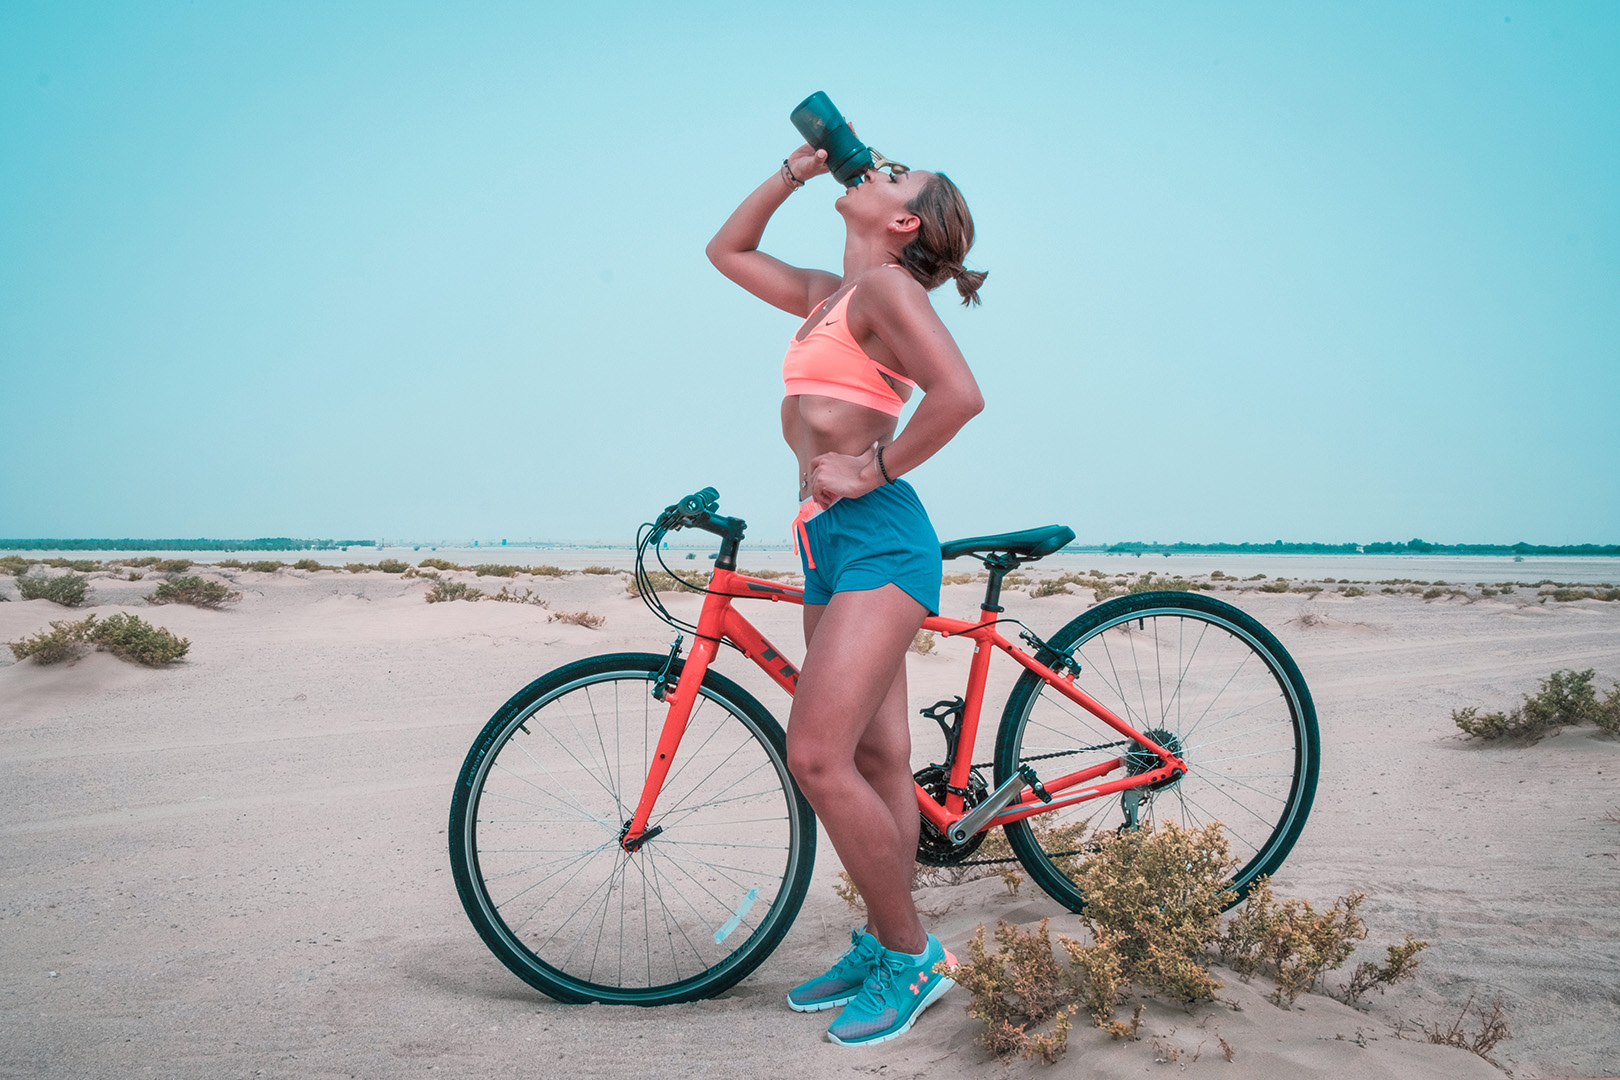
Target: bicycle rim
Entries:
(1200, 677)
(543, 801)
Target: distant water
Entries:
(1448, 568)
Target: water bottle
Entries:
(824, 128)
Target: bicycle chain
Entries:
(1040, 757)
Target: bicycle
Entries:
(625, 829)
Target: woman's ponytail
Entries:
(944, 235)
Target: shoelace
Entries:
(887, 967)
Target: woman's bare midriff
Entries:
(815, 425)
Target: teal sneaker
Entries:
(842, 981)
(894, 995)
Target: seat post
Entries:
(997, 564)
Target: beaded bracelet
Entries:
(787, 174)
(887, 479)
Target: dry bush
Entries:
(309, 564)
(69, 589)
(1153, 902)
(578, 618)
(665, 582)
(599, 570)
(359, 567)
(1101, 590)
(266, 566)
(452, 590)
(527, 596)
(1353, 590)
(956, 579)
(546, 570)
(63, 641)
(1049, 588)
(440, 564)
(1566, 699)
(13, 564)
(195, 591)
(125, 636)
(1018, 987)
(1493, 1029)
(1291, 941)
(496, 570)
(1278, 586)
(390, 566)
(1402, 964)
(923, 643)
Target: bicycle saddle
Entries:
(1026, 545)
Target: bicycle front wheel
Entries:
(1202, 679)
(543, 800)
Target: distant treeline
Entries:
(1394, 547)
(266, 543)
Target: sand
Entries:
(236, 866)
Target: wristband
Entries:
(787, 175)
(887, 479)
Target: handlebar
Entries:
(697, 511)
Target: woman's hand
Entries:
(806, 162)
(836, 476)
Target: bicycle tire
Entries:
(539, 808)
(1246, 730)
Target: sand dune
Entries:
(236, 866)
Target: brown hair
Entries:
(942, 240)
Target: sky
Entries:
(1327, 271)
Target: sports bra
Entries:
(830, 363)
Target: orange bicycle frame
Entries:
(720, 621)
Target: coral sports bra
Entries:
(827, 361)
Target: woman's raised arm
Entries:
(735, 248)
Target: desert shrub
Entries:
(63, 641)
(358, 567)
(172, 566)
(1018, 987)
(1493, 1029)
(1280, 585)
(83, 566)
(69, 589)
(1153, 905)
(496, 570)
(956, 579)
(1433, 594)
(1402, 963)
(1352, 590)
(527, 596)
(1216, 575)
(308, 564)
(546, 570)
(610, 570)
(392, 566)
(133, 638)
(1049, 588)
(266, 566)
(13, 564)
(440, 564)
(452, 590)
(229, 564)
(923, 643)
(1256, 577)
(1101, 590)
(194, 591)
(1566, 698)
(766, 575)
(1291, 941)
(663, 582)
(1308, 587)
(578, 618)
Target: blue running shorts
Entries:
(880, 538)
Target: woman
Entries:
(871, 558)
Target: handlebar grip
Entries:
(707, 500)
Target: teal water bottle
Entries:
(824, 128)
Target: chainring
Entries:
(934, 848)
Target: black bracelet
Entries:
(887, 479)
(787, 174)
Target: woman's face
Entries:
(882, 198)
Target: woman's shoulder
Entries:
(889, 286)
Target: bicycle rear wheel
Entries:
(1202, 679)
(545, 795)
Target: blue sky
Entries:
(1257, 271)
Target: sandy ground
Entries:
(236, 866)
